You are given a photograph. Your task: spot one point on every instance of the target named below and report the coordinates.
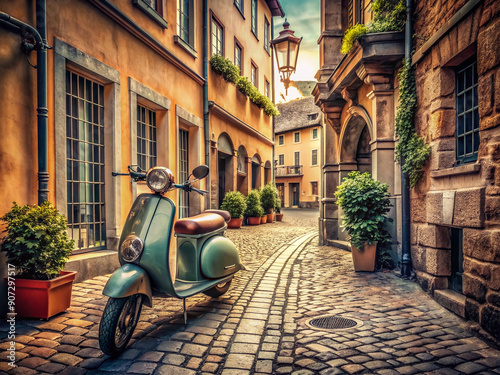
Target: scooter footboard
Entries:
(128, 280)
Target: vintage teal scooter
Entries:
(206, 259)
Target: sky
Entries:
(304, 18)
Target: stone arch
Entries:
(267, 172)
(351, 133)
(225, 165)
(256, 174)
(242, 170)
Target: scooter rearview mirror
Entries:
(200, 172)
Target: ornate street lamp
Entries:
(286, 46)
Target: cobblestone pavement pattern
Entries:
(260, 325)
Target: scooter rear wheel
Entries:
(218, 290)
(118, 322)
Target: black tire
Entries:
(118, 322)
(218, 290)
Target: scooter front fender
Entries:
(128, 280)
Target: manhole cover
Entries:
(332, 322)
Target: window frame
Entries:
(151, 157)
(295, 153)
(281, 162)
(157, 14)
(267, 87)
(312, 188)
(294, 137)
(254, 17)
(215, 21)
(240, 9)
(267, 36)
(237, 45)
(312, 157)
(281, 137)
(254, 79)
(313, 138)
(473, 111)
(188, 45)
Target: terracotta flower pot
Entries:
(263, 219)
(44, 298)
(235, 223)
(270, 218)
(364, 260)
(279, 217)
(253, 220)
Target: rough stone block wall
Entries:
(447, 198)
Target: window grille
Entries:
(146, 138)
(183, 171)
(217, 38)
(184, 20)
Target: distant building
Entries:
(297, 161)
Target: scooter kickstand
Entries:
(185, 312)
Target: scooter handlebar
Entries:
(188, 188)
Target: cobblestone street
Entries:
(261, 325)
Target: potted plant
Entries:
(277, 209)
(235, 203)
(268, 197)
(37, 246)
(254, 208)
(365, 204)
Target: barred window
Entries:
(146, 138)
(314, 157)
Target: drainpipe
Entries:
(41, 46)
(406, 264)
(205, 98)
(273, 177)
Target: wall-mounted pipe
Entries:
(41, 46)
(205, 99)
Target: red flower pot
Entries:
(263, 219)
(43, 298)
(253, 220)
(234, 223)
(270, 218)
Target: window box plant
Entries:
(268, 197)
(235, 203)
(254, 209)
(37, 246)
(365, 204)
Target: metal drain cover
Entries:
(332, 322)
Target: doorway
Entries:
(294, 194)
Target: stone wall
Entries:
(459, 196)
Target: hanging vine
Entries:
(411, 151)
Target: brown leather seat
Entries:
(226, 215)
(199, 224)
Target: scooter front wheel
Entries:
(218, 290)
(118, 322)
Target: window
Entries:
(146, 138)
(281, 140)
(254, 75)
(185, 21)
(314, 157)
(296, 137)
(314, 133)
(238, 51)
(281, 159)
(254, 17)
(467, 133)
(154, 9)
(314, 187)
(85, 162)
(312, 116)
(239, 4)
(266, 35)
(217, 38)
(296, 157)
(267, 88)
(183, 171)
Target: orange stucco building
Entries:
(128, 82)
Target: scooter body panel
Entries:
(128, 280)
(219, 258)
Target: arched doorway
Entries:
(355, 137)
(267, 172)
(224, 165)
(256, 179)
(242, 170)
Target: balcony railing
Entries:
(288, 170)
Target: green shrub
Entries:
(365, 203)
(244, 85)
(254, 207)
(37, 242)
(225, 68)
(268, 197)
(235, 203)
(351, 35)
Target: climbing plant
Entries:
(388, 15)
(412, 152)
(230, 73)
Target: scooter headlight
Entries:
(131, 248)
(159, 179)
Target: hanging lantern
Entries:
(286, 48)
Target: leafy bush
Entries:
(389, 15)
(235, 203)
(254, 207)
(268, 197)
(365, 203)
(37, 242)
(225, 68)
(277, 205)
(244, 85)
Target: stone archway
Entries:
(267, 172)
(256, 176)
(225, 169)
(242, 170)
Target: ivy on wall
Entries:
(389, 15)
(231, 73)
(412, 152)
